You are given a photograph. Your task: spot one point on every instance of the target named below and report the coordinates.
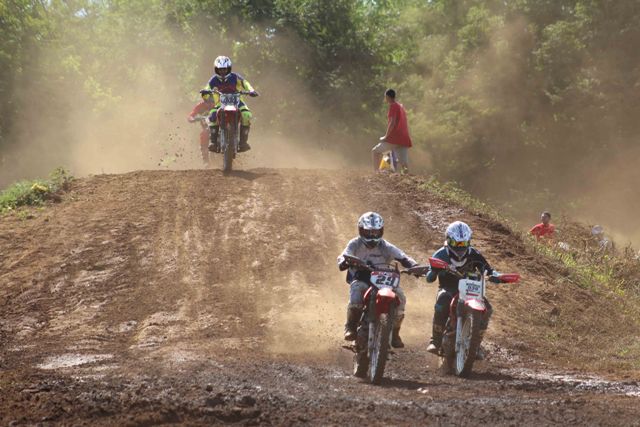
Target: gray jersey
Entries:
(383, 253)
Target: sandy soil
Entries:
(191, 297)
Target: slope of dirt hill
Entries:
(192, 297)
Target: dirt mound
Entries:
(163, 297)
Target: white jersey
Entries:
(382, 253)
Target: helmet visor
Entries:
(371, 234)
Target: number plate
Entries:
(385, 279)
(229, 99)
(470, 289)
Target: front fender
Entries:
(476, 305)
(384, 299)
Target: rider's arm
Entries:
(195, 112)
(349, 250)
(478, 258)
(244, 85)
(398, 255)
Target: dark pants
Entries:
(441, 309)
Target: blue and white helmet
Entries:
(458, 240)
(222, 62)
(371, 228)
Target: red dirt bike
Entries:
(228, 117)
(376, 324)
(462, 337)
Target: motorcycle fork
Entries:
(460, 311)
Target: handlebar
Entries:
(241, 92)
(436, 263)
(355, 262)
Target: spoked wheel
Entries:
(470, 336)
(227, 135)
(380, 350)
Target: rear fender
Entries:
(384, 300)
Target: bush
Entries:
(35, 192)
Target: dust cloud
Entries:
(141, 122)
(585, 172)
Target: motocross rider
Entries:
(204, 107)
(458, 252)
(226, 81)
(372, 249)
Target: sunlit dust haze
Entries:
(144, 124)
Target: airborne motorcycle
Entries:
(376, 324)
(462, 336)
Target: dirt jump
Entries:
(190, 297)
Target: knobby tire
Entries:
(473, 321)
(380, 350)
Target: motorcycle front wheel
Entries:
(227, 135)
(471, 337)
(380, 348)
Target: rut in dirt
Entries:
(196, 297)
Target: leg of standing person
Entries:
(378, 151)
(402, 153)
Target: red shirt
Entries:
(541, 230)
(201, 108)
(399, 134)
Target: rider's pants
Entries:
(443, 302)
(245, 114)
(356, 296)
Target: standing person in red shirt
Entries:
(545, 229)
(397, 138)
(199, 113)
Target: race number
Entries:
(385, 278)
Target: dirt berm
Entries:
(196, 298)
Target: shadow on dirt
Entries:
(246, 175)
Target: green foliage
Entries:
(502, 94)
(35, 192)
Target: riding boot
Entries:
(214, 144)
(353, 317)
(436, 339)
(396, 341)
(244, 137)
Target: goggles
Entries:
(372, 234)
(455, 244)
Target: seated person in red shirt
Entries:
(397, 138)
(545, 229)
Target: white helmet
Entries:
(371, 228)
(220, 63)
(458, 241)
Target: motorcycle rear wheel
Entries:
(471, 338)
(379, 353)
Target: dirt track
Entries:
(164, 297)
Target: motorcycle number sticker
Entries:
(471, 288)
(384, 278)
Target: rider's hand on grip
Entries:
(253, 94)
